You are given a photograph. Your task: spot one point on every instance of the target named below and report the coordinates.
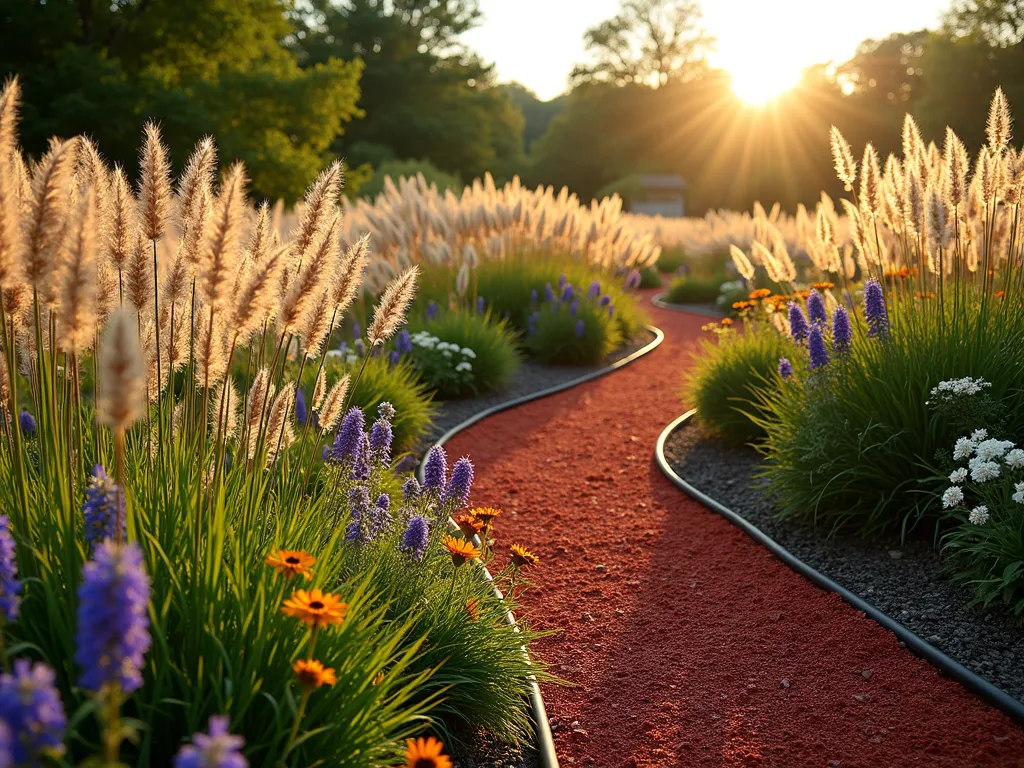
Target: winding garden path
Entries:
(686, 643)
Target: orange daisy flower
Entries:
(485, 514)
(824, 286)
(760, 293)
(291, 562)
(315, 608)
(469, 525)
(460, 550)
(726, 321)
(473, 609)
(313, 674)
(522, 557)
(425, 753)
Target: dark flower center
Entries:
(316, 605)
(425, 762)
(292, 560)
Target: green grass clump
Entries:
(727, 374)
(859, 446)
(694, 290)
(494, 343)
(650, 278)
(584, 338)
(671, 259)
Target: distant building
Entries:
(658, 194)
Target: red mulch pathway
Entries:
(686, 643)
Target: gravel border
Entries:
(908, 583)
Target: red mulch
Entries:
(687, 643)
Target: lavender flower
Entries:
(411, 489)
(874, 309)
(581, 329)
(31, 708)
(460, 484)
(300, 406)
(361, 458)
(6, 746)
(533, 297)
(380, 440)
(10, 586)
(104, 508)
(567, 293)
(357, 331)
(27, 423)
(531, 323)
(633, 280)
(379, 516)
(549, 294)
(606, 300)
(816, 348)
(611, 310)
(481, 305)
(416, 536)
(432, 310)
(574, 307)
(842, 335)
(347, 441)
(816, 312)
(595, 290)
(393, 358)
(113, 625)
(359, 504)
(217, 749)
(562, 280)
(360, 347)
(785, 368)
(403, 342)
(435, 471)
(797, 322)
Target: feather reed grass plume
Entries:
(743, 265)
(332, 411)
(842, 157)
(261, 391)
(220, 251)
(224, 414)
(122, 224)
(350, 275)
(10, 193)
(155, 185)
(319, 390)
(256, 292)
(314, 273)
(197, 177)
(122, 374)
(210, 354)
(280, 433)
(44, 224)
(77, 313)
(998, 126)
(138, 276)
(261, 236)
(317, 326)
(317, 212)
(389, 314)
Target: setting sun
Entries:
(758, 82)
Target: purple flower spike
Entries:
(797, 322)
(816, 311)
(574, 307)
(394, 357)
(113, 621)
(357, 331)
(633, 280)
(300, 406)
(10, 585)
(533, 297)
(581, 329)
(549, 294)
(842, 335)
(357, 529)
(481, 305)
(31, 710)
(432, 310)
(361, 458)
(460, 484)
(594, 291)
(606, 300)
(104, 508)
(816, 347)
(411, 489)
(562, 280)
(874, 309)
(347, 441)
(435, 471)
(380, 440)
(567, 293)
(531, 323)
(217, 749)
(416, 536)
(403, 342)
(785, 368)
(27, 423)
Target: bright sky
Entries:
(763, 43)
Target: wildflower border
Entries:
(993, 695)
(545, 743)
(658, 300)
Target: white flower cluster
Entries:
(448, 351)
(947, 390)
(985, 457)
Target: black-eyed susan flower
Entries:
(460, 550)
(726, 322)
(312, 673)
(522, 557)
(469, 525)
(291, 563)
(315, 608)
(426, 753)
(824, 286)
(760, 293)
(485, 514)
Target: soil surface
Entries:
(685, 642)
(906, 581)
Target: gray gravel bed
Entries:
(906, 582)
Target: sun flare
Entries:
(758, 82)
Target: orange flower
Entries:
(485, 514)
(315, 608)
(313, 674)
(522, 557)
(469, 525)
(291, 562)
(824, 286)
(760, 293)
(378, 678)
(425, 753)
(460, 550)
(1000, 294)
(473, 609)
(726, 321)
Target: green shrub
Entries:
(494, 345)
(859, 446)
(671, 259)
(693, 290)
(727, 373)
(650, 278)
(585, 337)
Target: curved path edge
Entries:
(952, 669)
(545, 745)
(658, 300)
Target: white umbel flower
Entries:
(1015, 459)
(978, 435)
(1018, 494)
(952, 497)
(979, 515)
(464, 366)
(467, 352)
(987, 450)
(963, 448)
(983, 471)
(958, 475)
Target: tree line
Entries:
(387, 84)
